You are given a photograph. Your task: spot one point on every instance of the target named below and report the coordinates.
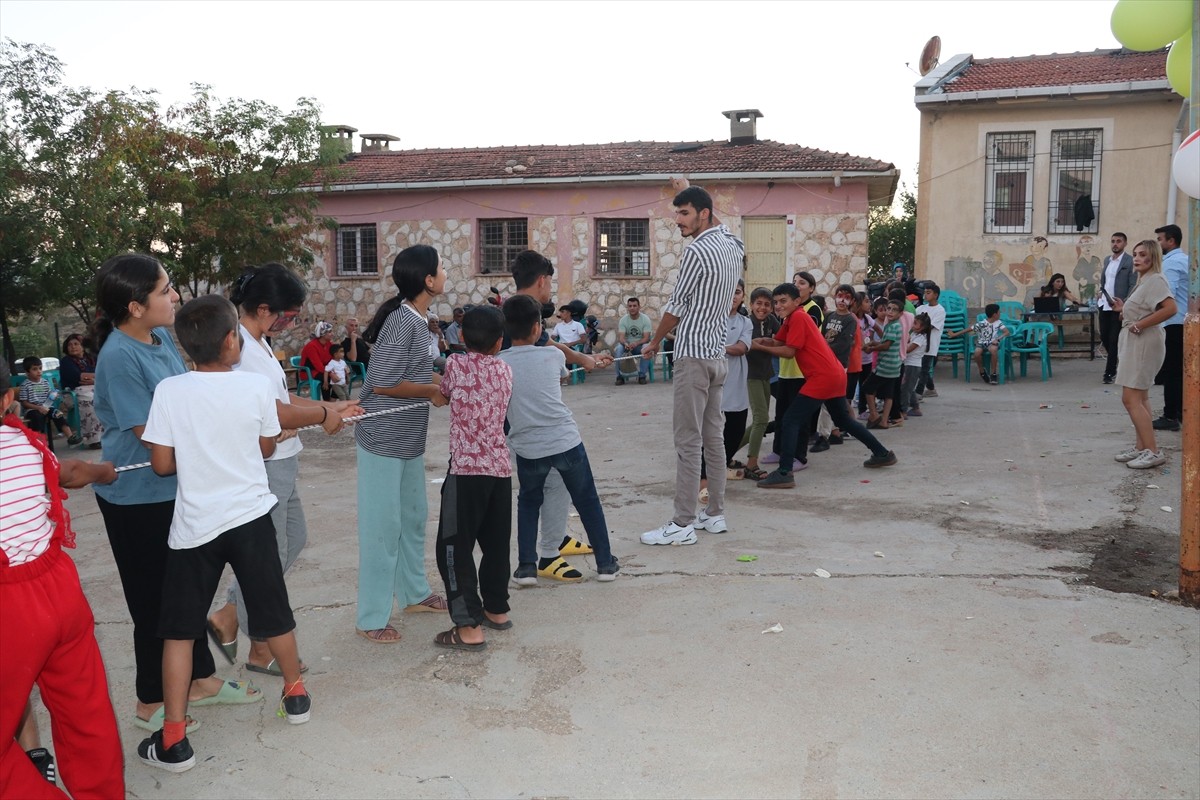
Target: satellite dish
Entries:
(930, 55)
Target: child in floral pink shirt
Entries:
(477, 495)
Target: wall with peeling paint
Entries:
(826, 226)
(952, 247)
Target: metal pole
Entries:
(1189, 521)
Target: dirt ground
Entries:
(986, 629)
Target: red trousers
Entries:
(47, 637)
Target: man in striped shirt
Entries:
(698, 312)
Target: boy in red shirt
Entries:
(824, 385)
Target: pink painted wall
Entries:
(653, 200)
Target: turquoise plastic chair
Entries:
(578, 373)
(358, 372)
(668, 364)
(1001, 355)
(957, 347)
(304, 380)
(1030, 338)
(954, 302)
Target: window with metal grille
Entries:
(1008, 205)
(623, 247)
(1075, 181)
(357, 252)
(499, 242)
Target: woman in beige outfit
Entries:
(1141, 348)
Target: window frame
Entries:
(995, 167)
(507, 250)
(623, 249)
(1060, 166)
(359, 259)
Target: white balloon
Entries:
(1185, 167)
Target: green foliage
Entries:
(891, 238)
(242, 197)
(207, 187)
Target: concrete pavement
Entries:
(1004, 645)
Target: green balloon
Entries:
(1150, 24)
(1179, 65)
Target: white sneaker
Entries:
(670, 534)
(713, 524)
(1128, 455)
(1148, 459)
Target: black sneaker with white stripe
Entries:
(44, 761)
(178, 758)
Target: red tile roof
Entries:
(1099, 66)
(594, 160)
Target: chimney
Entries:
(377, 142)
(742, 125)
(337, 141)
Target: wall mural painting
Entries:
(1000, 276)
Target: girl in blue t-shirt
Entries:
(137, 304)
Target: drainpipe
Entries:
(1189, 517)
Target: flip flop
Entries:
(434, 603)
(232, 693)
(376, 634)
(496, 626)
(450, 639)
(272, 668)
(156, 721)
(574, 547)
(228, 649)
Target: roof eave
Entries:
(483, 183)
(1045, 92)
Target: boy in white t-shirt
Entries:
(222, 514)
(568, 331)
(337, 373)
(937, 322)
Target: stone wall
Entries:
(832, 247)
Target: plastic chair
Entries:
(954, 302)
(953, 348)
(1030, 338)
(358, 372)
(668, 363)
(578, 373)
(304, 380)
(986, 357)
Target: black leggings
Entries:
(138, 537)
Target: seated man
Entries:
(454, 340)
(633, 332)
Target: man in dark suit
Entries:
(1117, 279)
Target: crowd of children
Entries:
(216, 500)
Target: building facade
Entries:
(1028, 165)
(601, 213)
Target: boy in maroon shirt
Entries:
(824, 384)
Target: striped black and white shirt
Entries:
(400, 353)
(708, 276)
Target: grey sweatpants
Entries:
(698, 421)
(556, 503)
(291, 530)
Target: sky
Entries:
(831, 75)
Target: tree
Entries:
(208, 187)
(891, 238)
(70, 197)
(245, 164)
